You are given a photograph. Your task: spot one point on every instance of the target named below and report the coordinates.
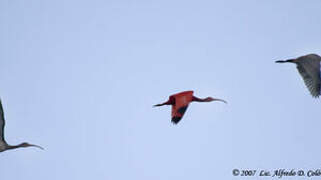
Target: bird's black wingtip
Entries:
(176, 119)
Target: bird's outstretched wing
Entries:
(2, 122)
(178, 113)
(310, 72)
(180, 106)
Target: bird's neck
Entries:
(200, 99)
(10, 147)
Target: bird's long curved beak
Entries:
(220, 100)
(33, 145)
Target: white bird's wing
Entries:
(310, 72)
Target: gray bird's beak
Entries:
(32, 145)
(220, 100)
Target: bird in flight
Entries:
(180, 102)
(3, 144)
(309, 68)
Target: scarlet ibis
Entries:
(180, 102)
(3, 144)
(309, 68)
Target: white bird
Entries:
(309, 68)
(3, 144)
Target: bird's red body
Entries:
(180, 102)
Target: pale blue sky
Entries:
(80, 78)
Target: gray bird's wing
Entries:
(310, 72)
(2, 123)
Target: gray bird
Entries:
(3, 144)
(309, 68)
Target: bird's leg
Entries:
(286, 61)
(169, 102)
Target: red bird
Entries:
(180, 102)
